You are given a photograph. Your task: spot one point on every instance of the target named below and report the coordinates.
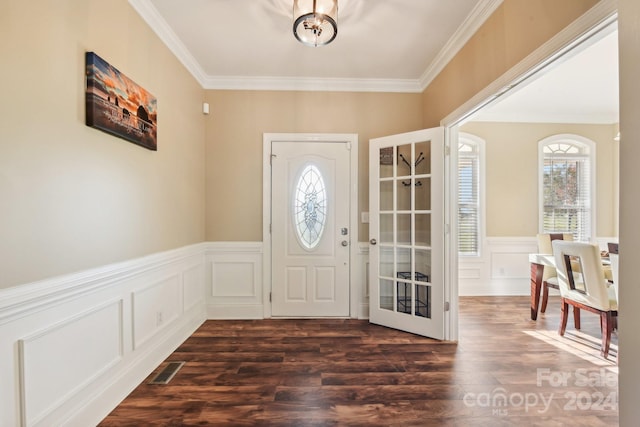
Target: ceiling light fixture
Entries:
(315, 22)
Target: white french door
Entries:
(310, 236)
(406, 206)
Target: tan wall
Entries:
(514, 30)
(512, 174)
(234, 144)
(74, 197)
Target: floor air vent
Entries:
(167, 373)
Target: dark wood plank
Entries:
(348, 372)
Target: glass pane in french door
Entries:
(386, 195)
(386, 228)
(422, 229)
(423, 160)
(386, 294)
(403, 234)
(404, 281)
(423, 193)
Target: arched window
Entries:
(470, 194)
(567, 186)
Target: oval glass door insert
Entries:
(310, 207)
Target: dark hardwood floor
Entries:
(506, 370)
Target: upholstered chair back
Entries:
(544, 247)
(587, 286)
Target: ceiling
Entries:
(581, 87)
(382, 46)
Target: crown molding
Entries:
(474, 20)
(483, 10)
(152, 17)
(312, 84)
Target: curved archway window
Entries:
(567, 177)
(310, 206)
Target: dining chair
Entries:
(586, 289)
(549, 275)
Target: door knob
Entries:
(373, 241)
(344, 243)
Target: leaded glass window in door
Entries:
(310, 206)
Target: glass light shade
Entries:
(315, 22)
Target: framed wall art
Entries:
(117, 105)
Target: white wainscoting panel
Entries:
(57, 362)
(502, 269)
(154, 307)
(233, 278)
(72, 347)
(193, 285)
(507, 265)
(234, 281)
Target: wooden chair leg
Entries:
(607, 325)
(545, 298)
(564, 314)
(576, 317)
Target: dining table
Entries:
(538, 262)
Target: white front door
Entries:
(310, 236)
(406, 205)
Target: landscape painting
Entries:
(117, 105)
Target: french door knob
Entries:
(373, 241)
(344, 243)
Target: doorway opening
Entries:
(587, 30)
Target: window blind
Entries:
(468, 199)
(567, 195)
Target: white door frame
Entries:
(582, 30)
(354, 276)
